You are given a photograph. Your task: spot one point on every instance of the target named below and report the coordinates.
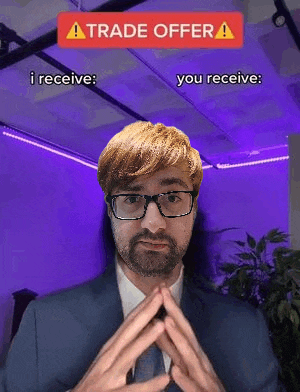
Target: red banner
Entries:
(150, 29)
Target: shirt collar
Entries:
(131, 296)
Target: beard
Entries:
(152, 263)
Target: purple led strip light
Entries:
(258, 162)
(22, 139)
(219, 165)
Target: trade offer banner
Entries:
(150, 29)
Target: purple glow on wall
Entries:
(259, 162)
(219, 165)
(22, 139)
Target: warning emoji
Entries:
(76, 32)
(224, 32)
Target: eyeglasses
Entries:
(133, 206)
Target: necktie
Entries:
(150, 364)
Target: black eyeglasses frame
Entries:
(109, 199)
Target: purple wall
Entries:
(50, 216)
(52, 208)
(254, 198)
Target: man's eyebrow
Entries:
(164, 182)
(130, 188)
(173, 180)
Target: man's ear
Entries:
(109, 212)
(195, 214)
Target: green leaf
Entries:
(295, 264)
(251, 241)
(264, 267)
(294, 317)
(281, 310)
(296, 302)
(229, 268)
(280, 250)
(243, 277)
(296, 254)
(295, 274)
(240, 243)
(272, 233)
(227, 229)
(276, 236)
(261, 246)
(245, 256)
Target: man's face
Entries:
(154, 245)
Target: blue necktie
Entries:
(150, 364)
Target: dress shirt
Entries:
(131, 296)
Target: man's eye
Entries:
(132, 199)
(173, 198)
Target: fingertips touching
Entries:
(158, 325)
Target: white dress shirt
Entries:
(131, 296)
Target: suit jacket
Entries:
(60, 336)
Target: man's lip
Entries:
(154, 243)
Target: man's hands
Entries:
(194, 373)
(109, 369)
(191, 370)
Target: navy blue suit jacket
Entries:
(60, 336)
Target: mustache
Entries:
(147, 235)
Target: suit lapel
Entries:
(192, 307)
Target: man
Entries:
(107, 335)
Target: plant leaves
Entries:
(264, 267)
(242, 276)
(274, 282)
(281, 310)
(224, 230)
(294, 317)
(272, 232)
(276, 236)
(245, 256)
(295, 274)
(280, 250)
(251, 241)
(296, 302)
(261, 246)
(240, 243)
(229, 268)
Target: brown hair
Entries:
(142, 148)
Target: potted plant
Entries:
(267, 274)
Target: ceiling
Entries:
(226, 123)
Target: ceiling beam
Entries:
(66, 70)
(181, 94)
(110, 6)
(50, 38)
(282, 10)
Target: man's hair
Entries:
(142, 148)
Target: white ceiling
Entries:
(223, 121)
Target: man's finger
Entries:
(131, 327)
(175, 312)
(128, 319)
(184, 382)
(155, 385)
(199, 367)
(127, 358)
(166, 345)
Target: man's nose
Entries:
(153, 220)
